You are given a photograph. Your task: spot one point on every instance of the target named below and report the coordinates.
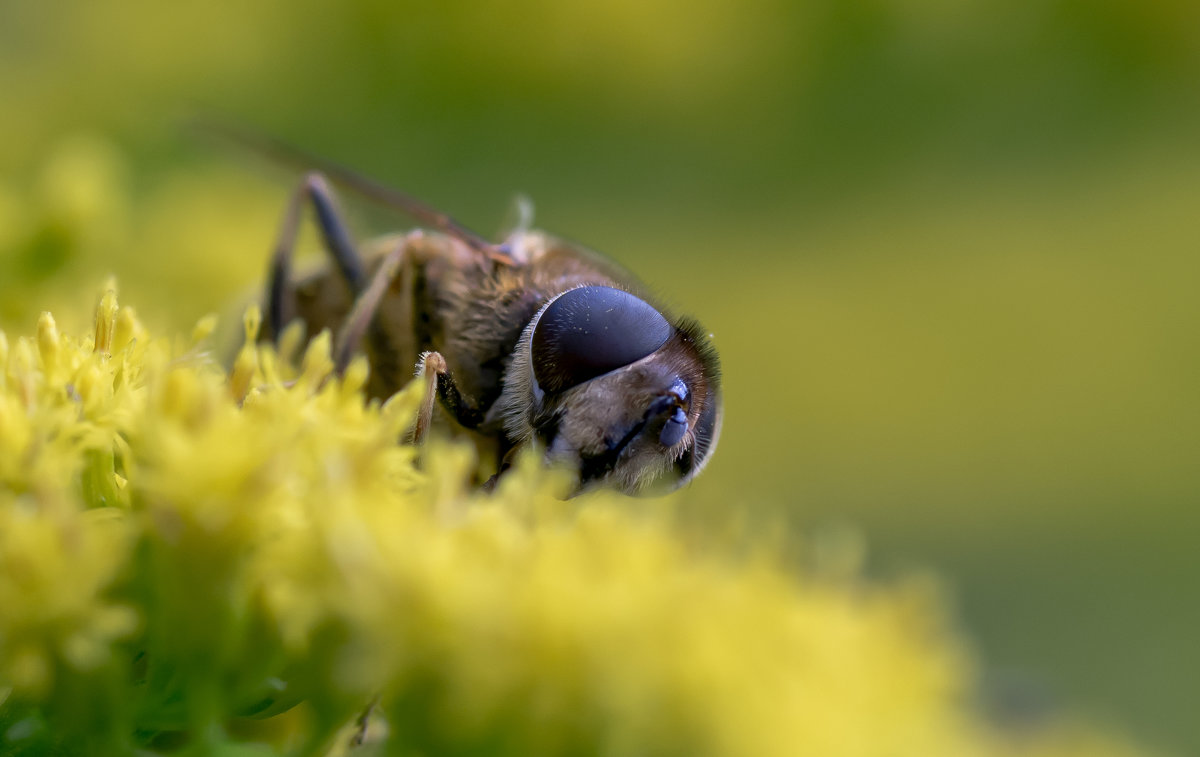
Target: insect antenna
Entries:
(285, 153)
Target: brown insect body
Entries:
(603, 380)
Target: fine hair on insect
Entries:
(531, 340)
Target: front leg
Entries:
(440, 386)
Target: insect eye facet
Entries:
(590, 331)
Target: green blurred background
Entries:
(947, 250)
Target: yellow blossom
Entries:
(183, 549)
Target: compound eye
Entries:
(590, 331)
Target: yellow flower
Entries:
(182, 548)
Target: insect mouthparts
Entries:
(674, 429)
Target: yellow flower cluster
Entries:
(192, 559)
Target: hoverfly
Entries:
(531, 340)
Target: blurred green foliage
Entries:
(947, 251)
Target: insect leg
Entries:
(430, 369)
(337, 240)
(440, 386)
(365, 306)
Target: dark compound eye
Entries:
(590, 331)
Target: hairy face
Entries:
(613, 390)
